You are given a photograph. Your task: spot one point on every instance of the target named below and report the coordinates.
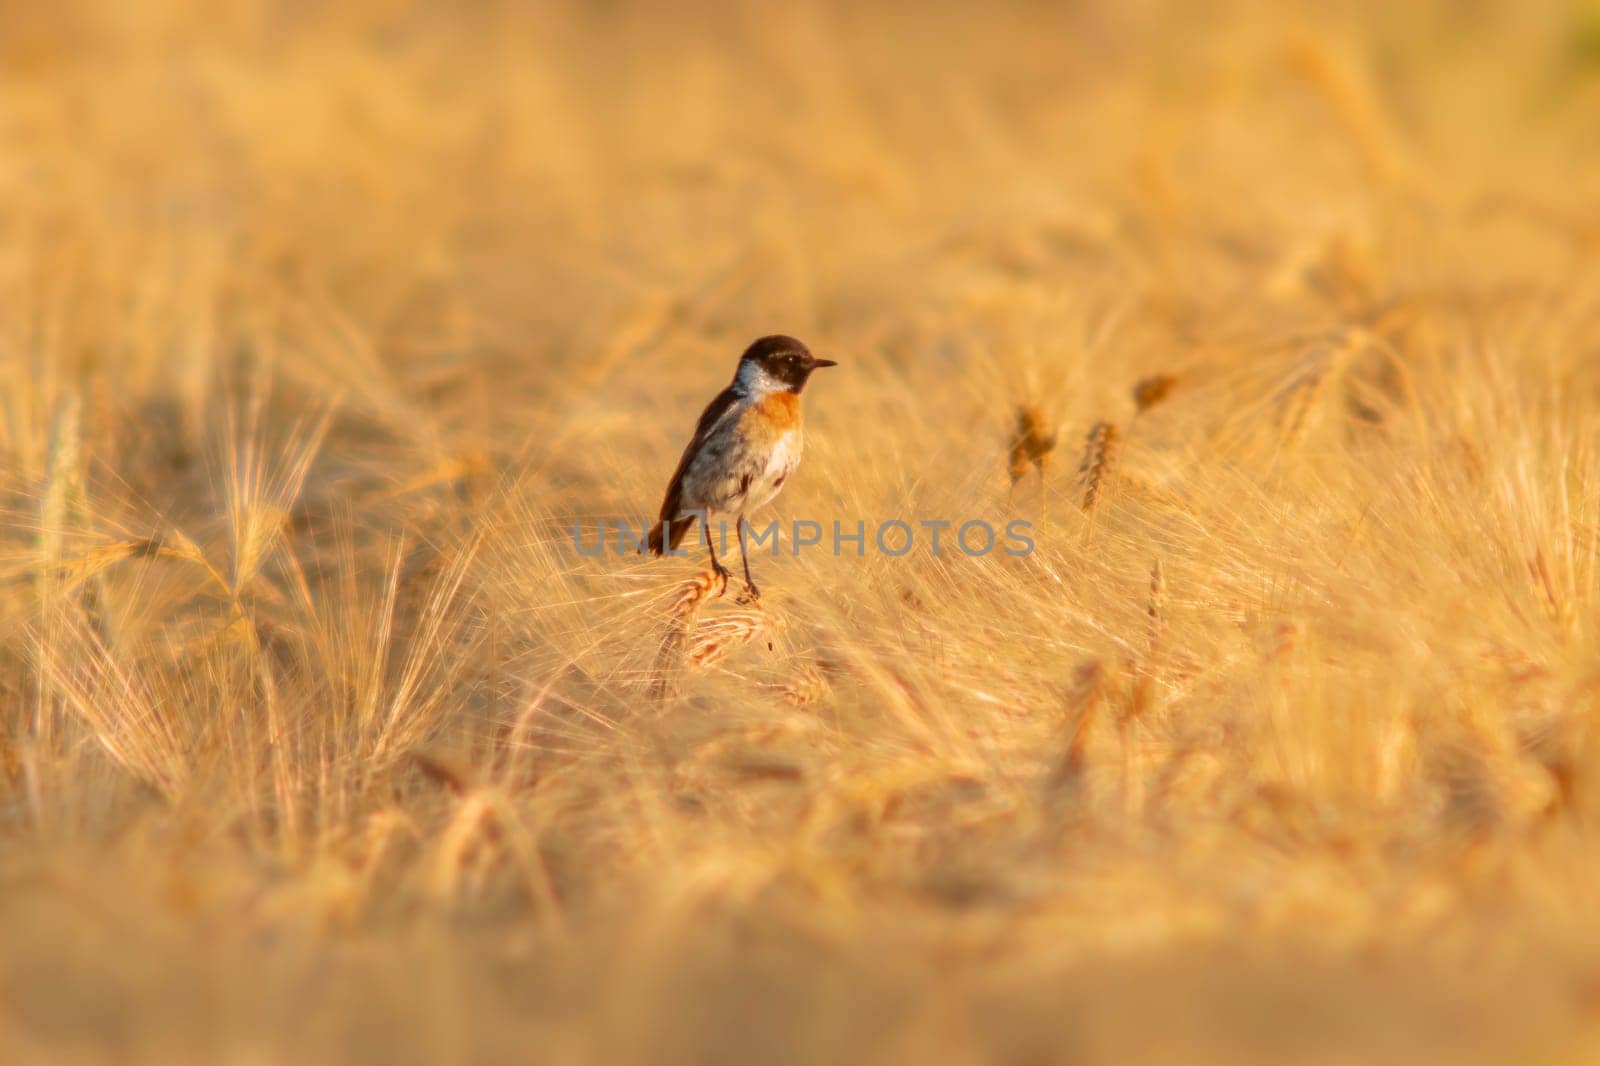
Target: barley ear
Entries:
(1099, 451)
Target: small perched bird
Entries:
(745, 446)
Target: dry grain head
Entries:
(1148, 392)
(1099, 451)
(1031, 444)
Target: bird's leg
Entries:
(716, 564)
(751, 593)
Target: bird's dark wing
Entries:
(671, 503)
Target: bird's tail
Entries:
(658, 542)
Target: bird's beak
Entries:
(818, 364)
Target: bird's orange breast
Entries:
(773, 416)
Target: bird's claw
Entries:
(750, 595)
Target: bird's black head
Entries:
(777, 363)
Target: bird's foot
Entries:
(750, 595)
(721, 575)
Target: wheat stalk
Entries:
(1087, 690)
(714, 639)
(680, 622)
(809, 686)
(1148, 392)
(1155, 628)
(1099, 451)
(1031, 443)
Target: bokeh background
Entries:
(320, 324)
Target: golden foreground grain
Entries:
(323, 326)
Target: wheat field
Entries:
(322, 326)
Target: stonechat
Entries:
(744, 448)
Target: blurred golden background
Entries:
(320, 324)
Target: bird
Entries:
(744, 448)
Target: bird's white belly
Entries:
(781, 461)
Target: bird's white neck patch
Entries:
(752, 379)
